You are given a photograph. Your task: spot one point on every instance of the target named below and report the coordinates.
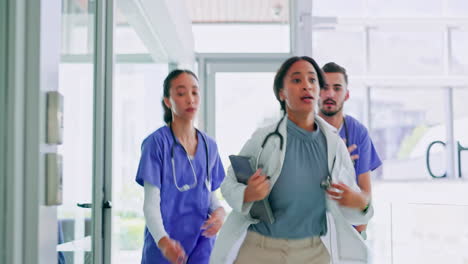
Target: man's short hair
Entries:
(333, 67)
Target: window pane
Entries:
(356, 104)
(404, 122)
(340, 8)
(77, 28)
(137, 112)
(327, 46)
(457, 8)
(460, 122)
(403, 8)
(77, 151)
(382, 8)
(76, 84)
(244, 102)
(406, 53)
(127, 40)
(246, 26)
(242, 38)
(459, 52)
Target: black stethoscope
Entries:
(345, 127)
(272, 134)
(187, 187)
(326, 183)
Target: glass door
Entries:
(239, 94)
(77, 215)
(136, 112)
(234, 92)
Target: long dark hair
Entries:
(167, 87)
(281, 73)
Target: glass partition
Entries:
(244, 102)
(76, 84)
(137, 113)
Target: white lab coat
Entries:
(343, 242)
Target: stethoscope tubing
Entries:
(325, 183)
(187, 187)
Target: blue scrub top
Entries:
(368, 158)
(183, 213)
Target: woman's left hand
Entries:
(214, 223)
(345, 196)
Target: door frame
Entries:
(30, 42)
(3, 125)
(102, 147)
(19, 21)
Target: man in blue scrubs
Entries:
(332, 98)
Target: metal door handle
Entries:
(85, 205)
(106, 204)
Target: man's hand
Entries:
(345, 196)
(352, 148)
(258, 187)
(172, 250)
(214, 223)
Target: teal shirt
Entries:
(297, 201)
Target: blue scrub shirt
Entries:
(368, 158)
(183, 213)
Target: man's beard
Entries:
(331, 113)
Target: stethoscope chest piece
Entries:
(325, 183)
(185, 187)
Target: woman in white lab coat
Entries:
(308, 178)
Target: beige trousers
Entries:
(261, 249)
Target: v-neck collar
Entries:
(197, 149)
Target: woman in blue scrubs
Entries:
(180, 169)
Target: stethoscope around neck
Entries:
(187, 187)
(327, 182)
(272, 134)
(324, 184)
